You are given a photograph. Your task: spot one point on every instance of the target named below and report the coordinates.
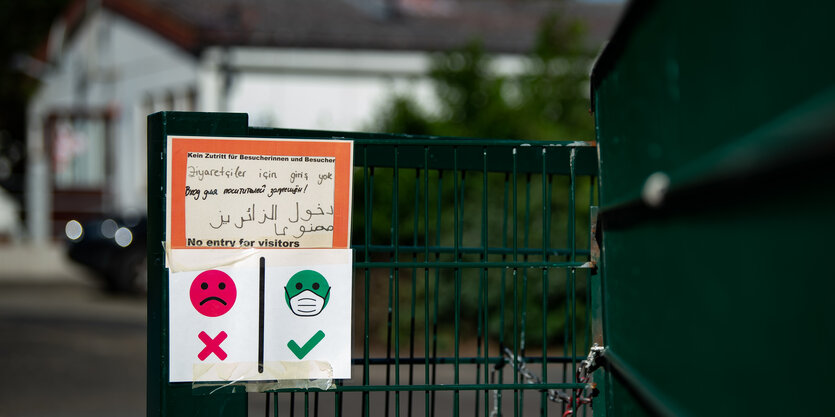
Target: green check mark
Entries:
(302, 351)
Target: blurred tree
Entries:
(548, 100)
(24, 26)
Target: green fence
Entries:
(472, 278)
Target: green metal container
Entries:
(716, 134)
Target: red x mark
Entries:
(212, 345)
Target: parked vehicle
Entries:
(114, 249)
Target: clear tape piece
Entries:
(185, 260)
(303, 375)
(182, 260)
(209, 388)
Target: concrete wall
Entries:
(322, 89)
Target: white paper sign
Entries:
(269, 315)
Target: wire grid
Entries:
(455, 243)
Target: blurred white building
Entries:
(315, 64)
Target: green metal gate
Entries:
(716, 137)
(472, 287)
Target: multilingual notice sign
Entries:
(257, 252)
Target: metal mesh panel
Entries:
(470, 284)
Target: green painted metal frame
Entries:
(417, 187)
(166, 399)
(733, 103)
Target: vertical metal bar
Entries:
(413, 295)
(566, 325)
(389, 318)
(426, 409)
(588, 274)
(275, 401)
(306, 405)
(456, 224)
(565, 330)
(337, 401)
(479, 331)
(589, 293)
(503, 292)
(164, 399)
(267, 406)
(587, 343)
(546, 237)
(572, 220)
(485, 308)
(261, 288)
(316, 405)
(514, 218)
(437, 282)
(292, 404)
(524, 307)
(572, 322)
(460, 188)
(367, 186)
(481, 301)
(572, 204)
(395, 227)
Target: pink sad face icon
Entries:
(213, 293)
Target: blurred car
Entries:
(113, 248)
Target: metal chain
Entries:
(495, 411)
(588, 365)
(518, 364)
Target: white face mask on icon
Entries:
(307, 303)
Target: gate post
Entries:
(165, 398)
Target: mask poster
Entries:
(260, 272)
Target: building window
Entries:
(79, 152)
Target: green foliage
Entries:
(547, 100)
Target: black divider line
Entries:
(261, 317)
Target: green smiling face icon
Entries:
(307, 293)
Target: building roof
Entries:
(423, 25)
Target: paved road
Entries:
(69, 350)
